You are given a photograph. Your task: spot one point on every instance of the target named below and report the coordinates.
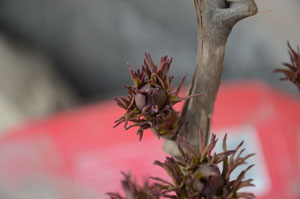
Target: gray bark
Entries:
(215, 20)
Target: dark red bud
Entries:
(212, 179)
(151, 97)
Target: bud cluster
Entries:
(149, 104)
(197, 174)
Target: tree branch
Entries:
(215, 20)
(236, 11)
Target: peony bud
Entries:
(151, 97)
(211, 179)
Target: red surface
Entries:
(81, 145)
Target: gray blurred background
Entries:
(57, 54)
(61, 54)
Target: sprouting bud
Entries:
(292, 72)
(150, 97)
(196, 174)
(209, 179)
(150, 102)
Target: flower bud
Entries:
(211, 179)
(150, 97)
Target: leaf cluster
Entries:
(292, 72)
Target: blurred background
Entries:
(60, 54)
(64, 53)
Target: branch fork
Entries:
(215, 20)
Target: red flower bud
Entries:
(211, 179)
(151, 97)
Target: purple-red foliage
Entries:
(292, 72)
